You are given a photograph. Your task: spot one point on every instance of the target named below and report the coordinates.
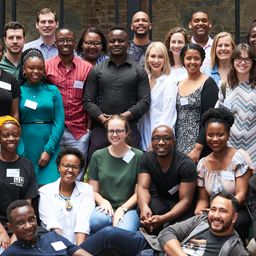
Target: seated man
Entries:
(22, 221)
(173, 176)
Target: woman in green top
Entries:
(113, 176)
(41, 118)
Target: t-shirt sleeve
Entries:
(143, 165)
(188, 170)
(200, 173)
(94, 167)
(15, 88)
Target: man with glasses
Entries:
(172, 176)
(69, 74)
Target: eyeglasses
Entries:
(165, 139)
(118, 131)
(67, 166)
(93, 43)
(246, 60)
(65, 40)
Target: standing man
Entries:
(200, 26)
(166, 183)
(46, 23)
(69, 74)
(116, 86)
(141, 26)
(14, 39)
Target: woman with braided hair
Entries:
(41, 117)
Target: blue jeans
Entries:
(116, 240)
(99, 220)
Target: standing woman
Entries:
(92, 46)
(196, 94)
(113, 175)
(41, 118)
(240, 98)
(163, 93)
(222, 47)
(175, 40)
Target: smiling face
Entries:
(117, 132)
(155, 61)
(243, 63)
(65, 42)
(221, 216)
(69, 168)
(14, 41)
(177, 42)
(192, 61)
(92, 46)
(252, 38)
(23, 223)
(140, 24)
(216, 136)
(34, 69)
(200, 24)
(9, 137)
(47, 24)
(224, 48)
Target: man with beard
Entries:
(172, 176)
(206, 235)
(14, 39)
(141, 26)
(200, 26)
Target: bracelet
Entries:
(124, 209)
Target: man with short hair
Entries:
(14, 39)
(141, 26)
(166, 182)
(46, 23)
(69, 73)
(22, 221)
(116, 86)
(200, 26)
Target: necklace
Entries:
(69, 206)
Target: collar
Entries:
(129, 60)
(59, 61)
(215, 69)
(41, 42)
(208, 44)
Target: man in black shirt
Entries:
(116, 86)
(172, 176)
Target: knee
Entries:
(99, 221)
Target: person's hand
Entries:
(44, 159)
(156, 221)
(4, 240)
(127, 115)
(118, 216)
(106, 207)
(145, 212)
(13, 238)
(103, 118)
(194, 154)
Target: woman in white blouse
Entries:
(65, 205)
(163, 93)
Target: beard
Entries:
(222, 227)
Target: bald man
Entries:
(141, 26)
(172, 176)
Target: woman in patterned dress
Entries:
(196, 94)
(240, 98)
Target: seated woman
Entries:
(113, 174)
(66, 204)
(226, 168)
(17, 179)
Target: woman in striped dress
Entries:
(240, 97)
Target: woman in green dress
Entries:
(41, 118)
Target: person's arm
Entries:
(144, 180)
(57, 127)
(173, 248)
(4, 238)
(129, 204)
(143, 96)
(203, 201)
(103, 204)
(15, 108)
(81, 252)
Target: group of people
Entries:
(104, 136)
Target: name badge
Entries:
(31, 104)
(227, 104)
(78, 84)
(226, 175)
(58, 246)
(174, 190)
(128, 156)
(13, 173)
(183, 101)
(5, 86)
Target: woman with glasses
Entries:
(240, 98)
(65, 205)
(92, 46)
(41, 117)
(113, 175)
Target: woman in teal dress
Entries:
(41, 118)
